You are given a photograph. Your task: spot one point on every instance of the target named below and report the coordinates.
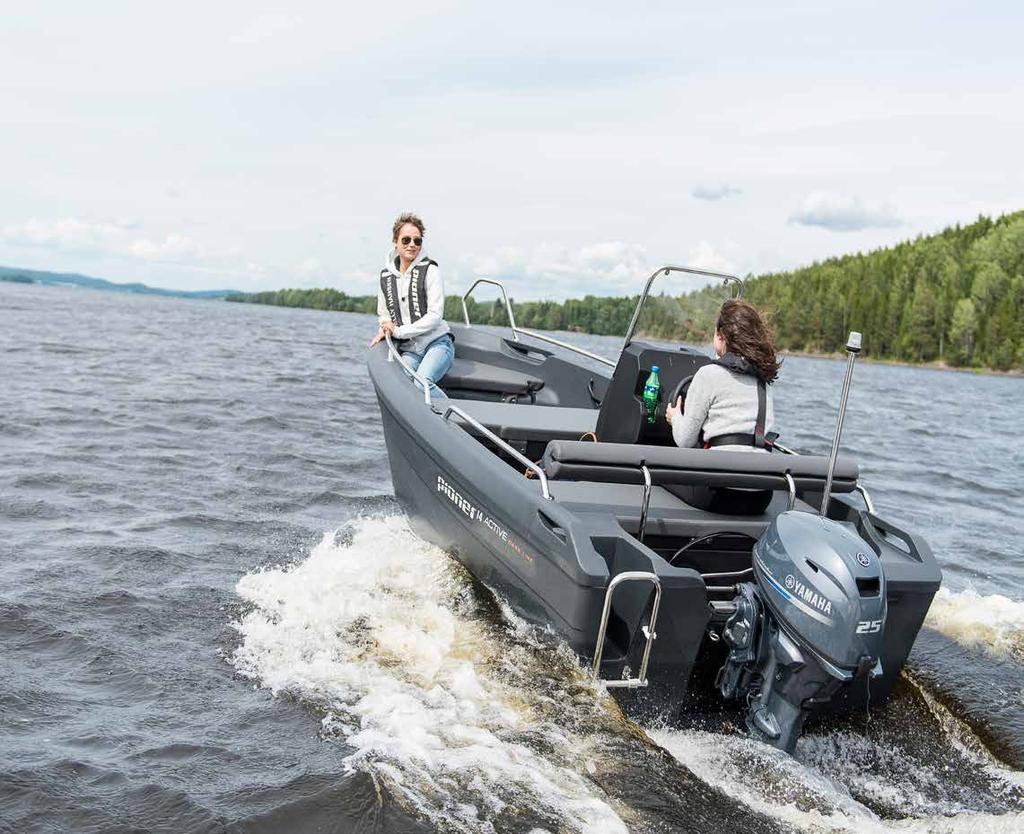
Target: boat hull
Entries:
(553, 565)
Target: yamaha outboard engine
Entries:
(810, 626)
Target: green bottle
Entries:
(651, 389)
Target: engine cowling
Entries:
(811, 624)
(825, 586)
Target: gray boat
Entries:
(538, 469)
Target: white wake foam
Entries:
(478, 726)
(769, 781)
(993, 622)
(375, 633)
(1012, 823)
(810, 791)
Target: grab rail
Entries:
(393, 354)
(859, 487)
(508, 307)
(792, 490)
(645, 503)
(867, 498)
(504, 446)
(649, 630)
(665, 270)
(567, 346)
(517, 330)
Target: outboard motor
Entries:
(810, 626)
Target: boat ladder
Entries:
(648, 630)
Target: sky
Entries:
(564, 148)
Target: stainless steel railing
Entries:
(516, 331)
(504, 295)
(792, 490)
(394, 355)
(867, 498)
(648, 630)
(859, 487)
(519, 456)
(665, 270)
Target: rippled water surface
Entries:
(214, 618)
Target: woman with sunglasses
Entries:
(410, 303)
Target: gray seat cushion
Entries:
(467, 375)
(529, 422)
(620, 463)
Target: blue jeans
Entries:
(434, 362)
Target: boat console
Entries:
(623, 418)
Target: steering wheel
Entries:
(680, 391)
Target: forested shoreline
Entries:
(956, 297)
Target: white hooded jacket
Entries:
(420, 333)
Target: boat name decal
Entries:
(474, 513)
(457, 499)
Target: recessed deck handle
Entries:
(552, 527)
(535, 353)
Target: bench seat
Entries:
(620, 463)
(467, 375)
(535, 423)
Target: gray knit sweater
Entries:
(721, 402)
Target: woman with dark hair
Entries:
(726, 397)
(410, 303)
(729, 402)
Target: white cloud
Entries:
(310, 268)
(842, 213)
(108, 243)
(173, 248)
(293, 141)
(715, 192)
(551, 271)
(557, 272)
(68, 234)
(704, 256)
(112, 238)
(310, 272)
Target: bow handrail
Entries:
(516, 331)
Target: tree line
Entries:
(955, 297)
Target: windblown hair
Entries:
(747, 334)
(407, 217)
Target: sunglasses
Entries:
(407, 240)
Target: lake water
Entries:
(213, 616)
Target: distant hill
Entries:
(316, 299)
(58, 279)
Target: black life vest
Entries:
(758, 439)
(417, 292)
(741, 365)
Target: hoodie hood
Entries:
(737, 363)
(391, 263)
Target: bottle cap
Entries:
(654, 369)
